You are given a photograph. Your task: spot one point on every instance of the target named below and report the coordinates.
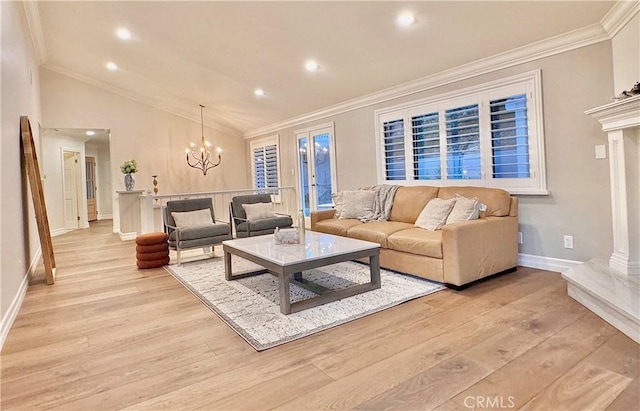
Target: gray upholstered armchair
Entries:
(246, 228)
(192, 224)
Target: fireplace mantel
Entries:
(621, 121)
(618, 115)
(611, 288)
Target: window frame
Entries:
(528, 83)
(263, 143)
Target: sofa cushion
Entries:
(376, 231)
(417, 241)
(281, 221)
(409, 202)
(335, 226)
(196, 233)
(497, 201)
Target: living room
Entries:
(581, 66)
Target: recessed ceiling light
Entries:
(112, 66)
(311, 65)
(406, 19)
(91, 133)
(123, 33)
(258, 92)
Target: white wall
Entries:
(626, 56)
(154, 138)
(20, 244)
(579, 203)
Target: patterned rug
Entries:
(251, 305)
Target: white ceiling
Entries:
(216, 53)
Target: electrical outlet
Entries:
(520, 238)
(568, 241)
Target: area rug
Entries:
(251, 305)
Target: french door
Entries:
(316, 168)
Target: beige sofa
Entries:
(457, 255)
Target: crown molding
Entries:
(619, 16)
(177, 111)
(575, 39)
(32, 14)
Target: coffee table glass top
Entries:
(316, 246)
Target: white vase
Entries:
(129, 182)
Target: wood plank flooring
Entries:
(108, 336)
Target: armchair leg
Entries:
(178, 252)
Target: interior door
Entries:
(316, 165)
(92, 208)
(70, 187)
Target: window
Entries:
(264, 160)
(488, 135)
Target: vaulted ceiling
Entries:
(182, 54)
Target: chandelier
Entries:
(200, 157)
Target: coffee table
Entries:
(288, 261)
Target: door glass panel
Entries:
(322, 166)
(304, 175)
(90, 180)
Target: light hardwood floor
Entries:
(109, 336)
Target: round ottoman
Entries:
(152, 250)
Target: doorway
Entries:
(71, 187)
(316, 168)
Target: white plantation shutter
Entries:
(259, 179)
(265, 163)
(486, 135)
(463, 143)
(425, 131)
(394, 154)
(271, 165)
(509, 137)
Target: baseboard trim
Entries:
(105, 216)
(16, 304)
(128, 236)
(59, 231)
(546, 263)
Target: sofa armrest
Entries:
(321, 215)
(473, 250)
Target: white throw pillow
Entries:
(192, 218)
(465, 209)
(434, 214)
(337, 202)
(357, 203)
(258, 211)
